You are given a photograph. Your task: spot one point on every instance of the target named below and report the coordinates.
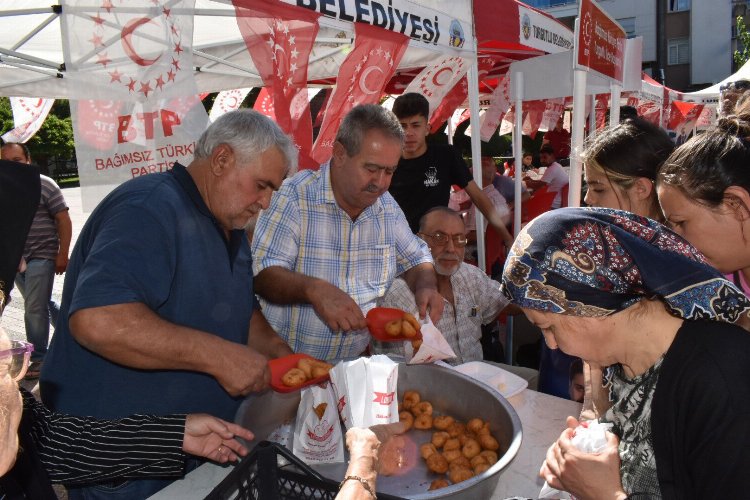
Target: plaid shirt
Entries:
(478, 301)
(304, 230)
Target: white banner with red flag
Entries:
(458, 94)
(500, 104)
(138, 109)
(361, 80)
(553, 110)
(28, 117)
(226, 101)
(279, 38)
(436, 80)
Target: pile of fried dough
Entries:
(306, 369)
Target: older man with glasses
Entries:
(470, 298)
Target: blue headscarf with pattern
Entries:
(597, 261)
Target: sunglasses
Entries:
(441, 239)
(740, 85)
(19, 355)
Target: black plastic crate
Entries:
(259, 477)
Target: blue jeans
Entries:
(127, 489)
(35, 284)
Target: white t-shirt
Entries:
(556, 177)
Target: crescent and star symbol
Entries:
(150, 73)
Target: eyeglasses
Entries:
(441, 239)
(19, 354)
(739, 85)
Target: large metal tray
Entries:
(450, 392)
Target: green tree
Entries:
(741, 56)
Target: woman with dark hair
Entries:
(625, 292)
(704, 192)
(620, 166)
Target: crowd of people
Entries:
(183, 284)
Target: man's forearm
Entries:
(64, 231)
(264, 339)
(282, 286)
(133, 335)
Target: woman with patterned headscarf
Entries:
(623, 291)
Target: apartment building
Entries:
(687, 44)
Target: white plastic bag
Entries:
(317, 431)
(434, 346)
(589, 437)
(366, 391)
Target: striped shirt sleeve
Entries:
(79, 450)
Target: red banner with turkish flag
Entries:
(601, 41)
(361, 80)
(436, 80)
(135, 108)
(457, 95)
(683, 116)
(279, 38)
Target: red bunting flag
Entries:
(279, 38)
(457, 95)
(436, 80)
(264, 104)
(361, 80)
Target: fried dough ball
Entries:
(407, 418)
(409, 318)
(407, 330)
(479, 468)
(479, 459)
(466, 436)
(452, 444)
(393, 328)
(475, 425)
(423, 422)
(456, 429)
(460, 462)
(416, 344)
(411, 399)
(306, 365)
(423, 408)
(489, 455)
(459, 474)
(439, 483)
(427, 449)
(451, 455)
(439, 438)
(442, 422)
(488, 442)
(294, 378)
(437, 463)
(485, 430)
(321, 370)
(471, 448)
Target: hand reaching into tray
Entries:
(365, 446)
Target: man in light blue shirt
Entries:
(333, 241)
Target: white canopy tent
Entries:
(711, 94)
(32, 59)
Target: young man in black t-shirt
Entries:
(425, 174)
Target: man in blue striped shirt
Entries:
(333, 240)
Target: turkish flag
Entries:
(499, 106)
(435, 81)
(29, 114)
(457, 95)
(279, 38)
(683, 116)
(361, 80)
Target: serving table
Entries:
(542, 417)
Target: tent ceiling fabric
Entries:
(220, 53)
